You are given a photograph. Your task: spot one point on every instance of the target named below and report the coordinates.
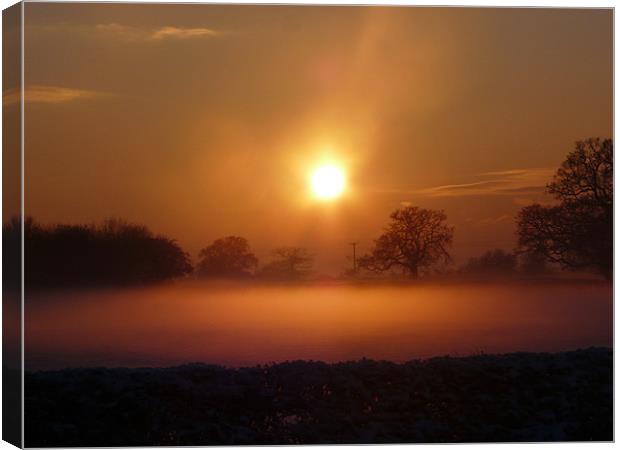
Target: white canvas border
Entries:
(444, 3)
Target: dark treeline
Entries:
(500, 263)
(231, 257)
(113, 253)
(574, 233)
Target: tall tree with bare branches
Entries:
(414, 240)
(576, 233)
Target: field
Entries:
(485, 398)
(213, 363)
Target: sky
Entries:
(203, 121)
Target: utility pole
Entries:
(354, 244)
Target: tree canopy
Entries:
(228, 257)
(289, 263)
(415, 239)
(113, 253)
(577, 232)
(495, 262)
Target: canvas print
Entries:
(278, 224)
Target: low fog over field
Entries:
(245, 324)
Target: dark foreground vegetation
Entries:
(483, 398)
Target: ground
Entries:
(482, 398)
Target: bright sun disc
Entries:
(327, 182)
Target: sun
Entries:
(328, 182)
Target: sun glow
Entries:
(328, 182)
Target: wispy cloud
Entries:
(506, 182)
(131, 33)
(183, 33)
(49, 94)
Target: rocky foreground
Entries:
(484, 398)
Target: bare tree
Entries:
(495, 262)
(577, 233)
(227, 257)
(587, 175)
(415, 239)
(289, 263)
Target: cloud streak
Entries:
(49, 95)
(182, 33)
(494, 220)
(507, 182)
(130, 33)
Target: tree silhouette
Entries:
(11, 253)
(415, 239)
(577, 233)
(587, 175)
(114, 253)
(228, 257)
(492, 263)
(533, 263)
(289, 263)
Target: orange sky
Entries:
(203, 121)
